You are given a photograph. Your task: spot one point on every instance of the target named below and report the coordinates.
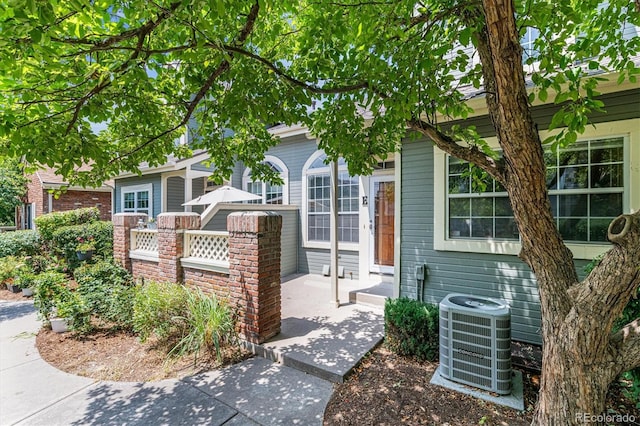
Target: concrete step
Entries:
(327, 345)
(301, 364)
(372, 296)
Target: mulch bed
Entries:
(385, 389)
(388, 389)
(10, 296)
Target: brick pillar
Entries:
(171, 227)
(254, 272)
(122, 224)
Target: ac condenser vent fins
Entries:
(475, 342)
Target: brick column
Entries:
(171, 227)
(122, 224)
(254, 272)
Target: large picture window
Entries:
(586, 189)
(318, 183)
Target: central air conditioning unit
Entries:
(475, 342)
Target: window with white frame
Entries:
(586, 189)
(318, 190)
(271, 194)
(527, 42)
(477, 209)
(137, 199)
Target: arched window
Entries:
(316, 200)
(271, 194)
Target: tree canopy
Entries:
(375, 70)
(146, 70)
(13, 186)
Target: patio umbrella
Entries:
(225, 194)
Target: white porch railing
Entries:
(206, 250)
(144, 244)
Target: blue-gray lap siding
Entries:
(487, 275)
(153, 179)
(294, 152)
(288, 237)
(175, 194)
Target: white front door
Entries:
(382, 214)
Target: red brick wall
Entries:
(254, 272)
(35, 194)
(171, 227)
(73, 199)
(146, 269)
(122, 224)
(70, 200)
(209, 282)
(253, 283)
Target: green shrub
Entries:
(24, 277)
(8, 267)
(107, 292)
(19, 243)
(50, 291)
(39, 263)
(159, 309)
(52, 297)
(64, 241)
(411, 328)
(74, 308)
(210, 326)
(48, 224)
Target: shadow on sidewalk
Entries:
(13, 310)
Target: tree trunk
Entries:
(580, 357)
(583, 358)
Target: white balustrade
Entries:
(210, 246)
(144, 244)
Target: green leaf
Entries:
(36, 35)
(557, 119)
(542, 94)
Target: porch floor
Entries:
(319, 338)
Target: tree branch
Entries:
(125, 35)
(221, 69)
(299, 83)
(628, 342)
(450, 146)
(141, 32)
(615, 280)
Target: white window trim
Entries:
(246, 179)
(137, 188)
(629, 129)
(305, 173)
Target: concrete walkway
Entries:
(318, 338)
(315, 338)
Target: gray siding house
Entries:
(418, 211)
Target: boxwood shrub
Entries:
(19, 243)
(49, 223)
(411, 328)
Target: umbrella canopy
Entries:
(225, 194)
